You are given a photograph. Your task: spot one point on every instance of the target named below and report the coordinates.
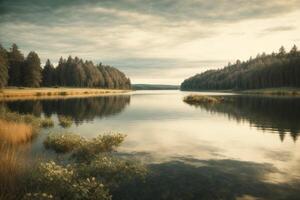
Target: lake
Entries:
(245, 148)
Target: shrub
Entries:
(100, 144)
(38, 196)
(47, 122)
(63, 183)
(112, 171)
(200, 99)
(63, 142)
(65, 121)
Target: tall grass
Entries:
(13, 168)
(15, 133)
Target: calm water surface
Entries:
(245, 148)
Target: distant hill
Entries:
(265, 71)
(154, 87)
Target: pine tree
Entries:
(32, 70)
(49, 74)
(3, 67)
(16, 62)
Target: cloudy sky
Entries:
(152, 41)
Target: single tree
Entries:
(32, 70)
(48, 74)
(15, 62)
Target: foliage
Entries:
(3, 67)
(73, 72)
(32, 70)
(265, 71)
(81, 179)
(100, 144)
(65, 121)
(63, 142)
(16, 63)
(47, 122)
(111, 170)
(83, 149)
(63, 183)
(199, 99)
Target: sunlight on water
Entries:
(252, 133)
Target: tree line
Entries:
(280, 69)
(16, 70)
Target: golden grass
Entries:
(37, 93)
(15, 133)
(12, 168)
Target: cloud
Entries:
(279, 29)
(159, 37)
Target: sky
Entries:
(151, 41)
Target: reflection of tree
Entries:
(79, 109)
(281, 115)
(208, 179)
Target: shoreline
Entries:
(51, 93)
(282, 91)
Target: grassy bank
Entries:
(16, 93)
(285, 91)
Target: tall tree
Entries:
(16, 62)
(3, 67)
(48, 73)
(32, 70)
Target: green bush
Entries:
(100, 144)
(46, 122)
(112, 171)
(63, 183)
(65, 121)
(63, 142)
(202, 99)
(88, 177)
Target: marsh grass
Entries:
(202, 99)
(13, 169)
(76, 178)
(15, 133)
(46, 123)
(65, 121)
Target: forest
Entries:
(280, 69)
(17, 70)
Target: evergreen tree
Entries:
(16, 62)
(48, 74)
(32, 70)
(282, 51)
(281, 70)
(3, 67)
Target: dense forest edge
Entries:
(19, 71)
(154, 87)
(276, 70)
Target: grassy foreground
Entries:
(15, 93)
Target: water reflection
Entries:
(277, 114)
(80, 109)
(209, 179)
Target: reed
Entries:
(15, 133)
(13, 169)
